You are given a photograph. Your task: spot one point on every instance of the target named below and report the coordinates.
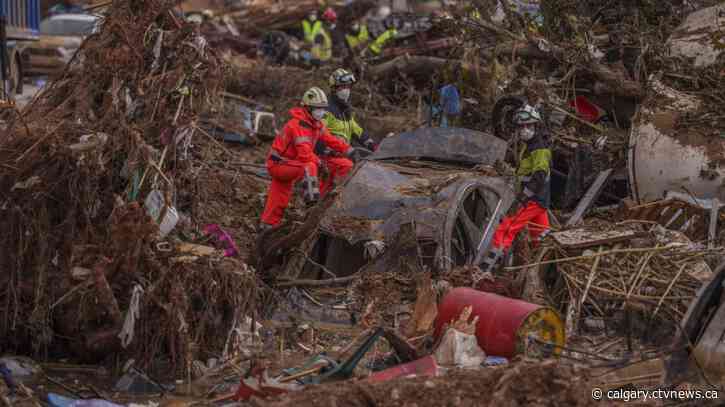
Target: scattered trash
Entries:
(7, 375)
(426, 366)
(56, 400)
(155, 205)
(230, 248)
(20, 367)
(459, 347)
(105, 155)
(503, 323)
(599, 252)
(135, 381)
(495, 361)
(27, 184)
(257, 383)
(587, 110)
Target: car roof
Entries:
(81, 17)
(464, 146)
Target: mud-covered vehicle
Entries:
(440, 180)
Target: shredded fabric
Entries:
(129, 323)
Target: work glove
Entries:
(370, 145)
(322, 150)
(356, 154)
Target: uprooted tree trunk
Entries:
(423, 65)
(299, 241)
(614, 81)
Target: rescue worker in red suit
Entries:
(534, 172)
(292, 157)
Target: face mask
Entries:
(527, 133)
(318, 114)
(312, 18)
(344, 94)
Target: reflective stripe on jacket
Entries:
(322, 48)
(358, 40)
(535, 171)
(297, 139)
(310, 29)
(341, 122)
(377, 46)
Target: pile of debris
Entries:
(96, 172)
(600, 270)
(277, 88)
(546, 383)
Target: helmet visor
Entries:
(346, 79)
(525, 117)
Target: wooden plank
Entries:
(582, 237)
(591, 195)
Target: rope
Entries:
(129, 323)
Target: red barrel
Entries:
(504, 323)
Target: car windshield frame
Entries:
(68, 27)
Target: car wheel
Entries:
(465, 225)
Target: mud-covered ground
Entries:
(526, 383)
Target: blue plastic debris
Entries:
(495, 361)
(56, 400)
(8, 378)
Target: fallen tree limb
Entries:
(421, 64)
(299, 234)
(317, 283)
(615, 82)
(408, 64)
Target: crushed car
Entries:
(439, 179)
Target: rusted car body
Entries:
(438, 179)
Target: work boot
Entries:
(493, 259)
(263, 227)
(311, 188)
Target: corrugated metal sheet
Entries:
(23, 18)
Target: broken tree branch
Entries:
(317, 283)
(615, 81)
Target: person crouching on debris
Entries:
(292, 157)
(341, 122)
(534, 173)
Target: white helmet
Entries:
(314, 97)
(382, 13)
(526, 115)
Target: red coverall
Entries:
(338, 168)
(292, 152)
(532, 215)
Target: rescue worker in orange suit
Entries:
(292, 157)
(533, 202)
